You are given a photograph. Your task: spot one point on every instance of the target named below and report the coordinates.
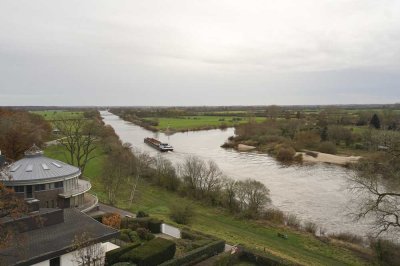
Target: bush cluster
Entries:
(198, 254)
(151, 253)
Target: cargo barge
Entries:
(158, 144)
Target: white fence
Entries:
(170, 230)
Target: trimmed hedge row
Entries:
(112, 256)
(124, 264)
(151, 253)
(127, 235)
(186, 233)
(154, 225)
(198, 254)
(262, 259)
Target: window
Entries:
(55, 261)
(40, 187)
(58, 184)
(19, 189)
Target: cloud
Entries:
(242, 52)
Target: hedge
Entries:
(262, 259)
(151, 253)
(198, 254)
(154, 225)
(186, 233)
(124, 264)
(113, 256)
(128, 235)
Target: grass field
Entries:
(58, 114)
(195, 122)
(299, 248)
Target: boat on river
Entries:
(155, 143)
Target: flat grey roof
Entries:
(33, 168)
(54, 240)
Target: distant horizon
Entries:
(188, 106)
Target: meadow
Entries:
(199, 122)
(52, 115)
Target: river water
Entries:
(316, 192)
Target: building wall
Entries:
(48, 198)
(68, 259)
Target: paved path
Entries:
(104, 208)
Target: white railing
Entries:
(82, 187)
(90, 202)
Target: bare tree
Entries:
(376, 182)
(201, 177)
(86, 252)
(253, 196)
(139, 165)
(79, 139)
(164, 173)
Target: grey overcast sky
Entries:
(199, 52)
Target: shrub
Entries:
(312, 154)
(274, 215)
(347, 237)
(140, 214)
(113, 256)
(129, 235)
(327, 147)
(112, 220)
(226, 259)
(130, 223)
(144, 234)
(263, 258)
(151, 253)
(358, 146)
(292, 221)
(386, 251)
(186, 234)
(310, 227)
(284, 153)
(155, 226)
(198, 254)
(181, 214)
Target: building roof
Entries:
(35, 167)
(54, 240)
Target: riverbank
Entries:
(320, 157)
(184, 123)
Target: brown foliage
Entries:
(10, 206)
(19, 130)
(112, 220)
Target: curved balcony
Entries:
(82, 187)
(90, 202)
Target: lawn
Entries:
(299, 248)
(58, 114)
(195, 122)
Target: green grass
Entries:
(196, 122)
(299, 247)
(58, 114)
(93, 168)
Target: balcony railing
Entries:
(90, 202)
(82, 187)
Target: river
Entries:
(316, 192)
